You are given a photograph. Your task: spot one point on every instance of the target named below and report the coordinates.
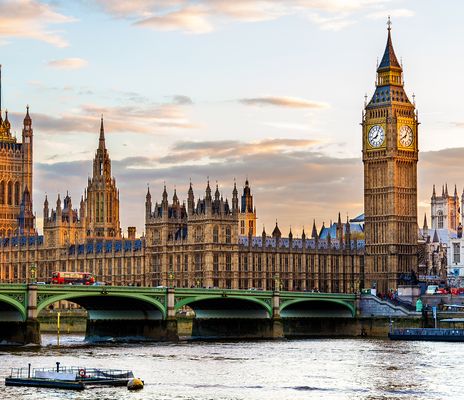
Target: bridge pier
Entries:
(171, 321)
(31, 327)
(277, 324)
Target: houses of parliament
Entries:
(211, 241)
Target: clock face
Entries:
(406, 136)
(376, 136)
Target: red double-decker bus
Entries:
(72, 278)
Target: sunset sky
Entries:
(265, 89)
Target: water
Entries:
(299, 369)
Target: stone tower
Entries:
(15, 176)
(390, 155)
(102, 196)
(247, 215)
(445, 209)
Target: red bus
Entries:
(72, 278)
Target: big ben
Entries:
(390, 155)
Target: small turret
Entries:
(434, 194)
(263, 237)
(45, 209)
(190, 200)
(148, 204)
(235, 199)
(314, 231)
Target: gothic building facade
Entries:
(210, 242)
(15, 177)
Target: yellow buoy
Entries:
(135, 384)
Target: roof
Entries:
(389, 57)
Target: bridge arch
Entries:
(10, 305)
(86, 300)
(227, 301)
(332, 307)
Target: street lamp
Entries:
(32, 272)
(277, 282)
(171, 279)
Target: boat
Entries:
(429, 334)
(73, 378)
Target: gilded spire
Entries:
(389, 57)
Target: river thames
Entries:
(297, 369)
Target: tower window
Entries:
(440, 219)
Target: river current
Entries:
(291, 369)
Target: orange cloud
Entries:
(68, 63)
(30, 19)
(283, 101)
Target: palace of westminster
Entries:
(210, 242)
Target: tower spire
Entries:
(102, 134)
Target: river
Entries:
(291, 369)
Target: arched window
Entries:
(17, 194)
(216, 234)
(228, 235)
(440, 219)
(2, 192)
(10, 193)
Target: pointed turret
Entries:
(148, 204)
(434, 194)
(190, 200)
(276, 232)
(446, 189)
(235, 199)
(175, 199)
(290, 234)
(435, 237)
(216, 193)
(425, 228)
(101, 140)
(45, 209)
(455, 192)
(314, 231)
(442, 191)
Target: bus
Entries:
(72, 278)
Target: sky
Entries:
(192, 90)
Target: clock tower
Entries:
(390, 155)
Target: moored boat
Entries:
(428, 334)
(74, 378)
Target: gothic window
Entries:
(440, 219)
(456, 253)
(216, 234)
(228, 235)
(2, 192)
(242, 227)
(228, 262)
(10, 193)
(216, 263)
(17, 194)
(186, 263)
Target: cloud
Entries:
(29, 19)
(182, 100)
(68, 63)
(283, 101)
(191, 20)
(141, 118)
(203, 16)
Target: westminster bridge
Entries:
(147, 313)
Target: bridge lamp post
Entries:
(276, 282)
(171, 279)
(32, 273)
